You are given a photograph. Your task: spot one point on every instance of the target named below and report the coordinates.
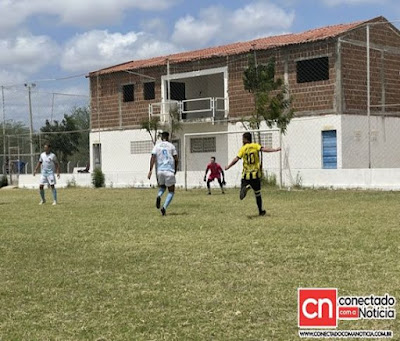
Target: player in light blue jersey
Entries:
(165, 156)
(49, 163)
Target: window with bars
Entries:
(312, 70)
(149, 91)
(128, 92)
(141, 147)
(203, 145)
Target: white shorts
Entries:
(49, 179)
(166, 179)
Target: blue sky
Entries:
(46, 39)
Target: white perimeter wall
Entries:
(302, 142)
(385, 142)
(301, 156)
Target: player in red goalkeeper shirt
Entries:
(215, 173)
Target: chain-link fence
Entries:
(344, 91)
(342, 83)
(56, 112)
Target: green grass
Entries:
(105, 265)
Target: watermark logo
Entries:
(317, 308)
(322, 308)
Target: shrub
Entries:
(3, 181)
(98, 178)
(71, 183)
(269, 180)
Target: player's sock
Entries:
(208, 186)
(54, 195)
(161, 191)
(243, 191)
(222, 186)
(169, 199)
(259, 201)
(42, 195)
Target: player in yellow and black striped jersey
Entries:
(251, 174)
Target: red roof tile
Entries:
(313, 35)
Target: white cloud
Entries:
(260, 16)
(156, 26)
(191, 32)
(11, 77)
(27, 53)
(352, 2)
(99, 48)
(81, 13)
(216, 25)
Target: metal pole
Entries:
(368, 98)
(280, 160)
(168, 83)
(4, 130)
(9, 160)
(185, 160)
(168, 88)
(30, 86)
(52, 109)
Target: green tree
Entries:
(271, 98)
(153, 125)
(81, 116)
(69, 138)
(16, 135)
(14, 130)
(63, 137)
(175, 123)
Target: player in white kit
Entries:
(49, 163)
(166, 157)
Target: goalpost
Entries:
(271, 138)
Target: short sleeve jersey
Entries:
(249, 153)
(215, 169)
(165, 152)
(48, 162)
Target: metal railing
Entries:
(162, 109)
(195, 109)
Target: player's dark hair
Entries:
(47, 144)
(248, 137)
(165, 135)
(213, 157)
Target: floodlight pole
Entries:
(369, 98)
(4, 130)
(30, 86)
(168, 90)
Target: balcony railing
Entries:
(208, 109)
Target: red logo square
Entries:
(317, 308)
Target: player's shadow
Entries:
(257, 216)
(177, 213)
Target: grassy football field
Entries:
(105, 265)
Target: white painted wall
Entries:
(301, 154)
(385, 142)
(81, 179)
(379, 178)
(382, 179)
(116, 153)
(302, 143)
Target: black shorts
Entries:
(255, 184)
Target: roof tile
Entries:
(313, 35)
